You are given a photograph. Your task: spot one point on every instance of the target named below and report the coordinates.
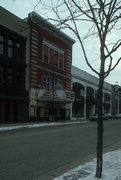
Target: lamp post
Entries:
(53, 87)
(37, 93)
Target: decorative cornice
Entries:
(43, 23)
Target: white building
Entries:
(85, 87)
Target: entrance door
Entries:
(63, 114)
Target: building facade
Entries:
(50, 71)
(37, 79)
(85, 87)
(116, 101)
(13, 55)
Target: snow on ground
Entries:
(111, 169)
(35, 125)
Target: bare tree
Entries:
(102, 19)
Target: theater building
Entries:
(50, 71)
(13, 56)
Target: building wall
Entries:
(14, 54)
(86, 105)
(116, 101)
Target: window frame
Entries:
(10, 47)
(10, 51)
(56, 61)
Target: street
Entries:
(30, 154)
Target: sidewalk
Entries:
(111, 169)
(7, 127)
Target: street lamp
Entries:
(37, 108)
(53, 87)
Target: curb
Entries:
(37, 125)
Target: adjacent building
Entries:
(116, 101)
(85, 87)
(13, 68)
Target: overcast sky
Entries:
(21, 8)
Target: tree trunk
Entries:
(100, 129)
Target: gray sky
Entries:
(21, 8)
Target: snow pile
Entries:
(111, 169)
(35, 125)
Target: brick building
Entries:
(50, 70)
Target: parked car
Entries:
(93, 117)
(105, 117)
(117, 116)
(108, 117)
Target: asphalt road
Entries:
(43, 153)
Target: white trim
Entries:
(53, 47)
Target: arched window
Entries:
(106, 97)
(78, 89)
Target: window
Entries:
(51, 52)
(53, 55)
(10, 48)
(48, 83)
(61, 61)
(18, 50)
(55, 58)
(106, 97)
(1, 44)
(46, 49)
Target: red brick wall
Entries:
(38, 67)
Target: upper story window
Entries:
(106, 97)
(1, 44)
(18, 50)
(10, 48)
(46, 54)
(53, 55)
(61, 61)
